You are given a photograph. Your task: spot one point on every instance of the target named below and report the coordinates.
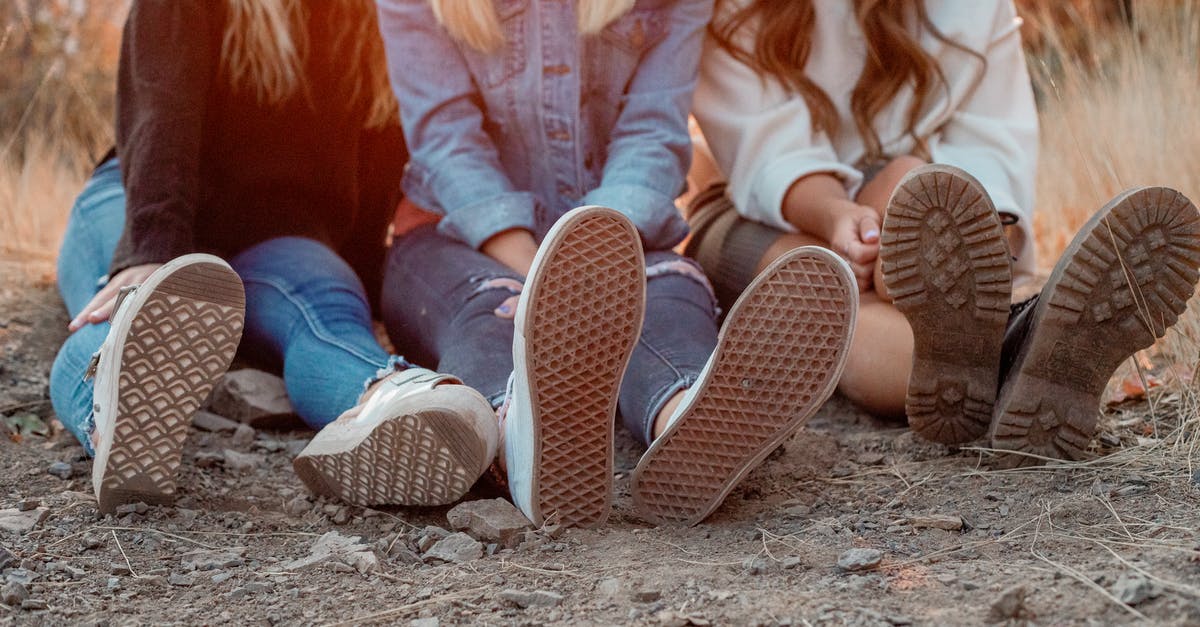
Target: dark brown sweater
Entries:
(207, 168)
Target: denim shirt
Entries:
(552, 120)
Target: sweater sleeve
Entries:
(760, 135)
(994, 132)
(166, 65)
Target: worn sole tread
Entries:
(946, 265)
(1124, 280)
(584, 320)
(425, 458)
(780, 354)
(180, 342)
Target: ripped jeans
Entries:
(439, 302)
(306, 311)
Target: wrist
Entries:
(810, 204)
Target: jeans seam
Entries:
(317, 330)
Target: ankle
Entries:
(663, 419)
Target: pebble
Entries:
(181, 579)
(951, 522)
(790, 562)
(431, 621)
(208, 421)
(25, 505)
(456, 548)
(537, 598)
(336, 548)
(241, 462)
(297, 507)
(249, 396)
(1134, 589)
(6, 558)
(491, 520)
(13, 593)
(221, 577)
(120, 569)
(243, 436)
(858, 559)
(755, 565)
(647, 595)
(609, 588)
(62, 470)
(132, 508)
(32, 605)
(1010, 605)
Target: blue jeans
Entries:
(306, 311)
(439, 298)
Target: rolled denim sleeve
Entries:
(454, 168)
(650, 150)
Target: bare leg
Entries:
(787, 242)
(880, 359)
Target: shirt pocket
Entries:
(621, 46)
(492, 69)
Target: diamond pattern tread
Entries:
(180, 342)
(779, 356)
(585, 317)
(1124, 280)
(426, 458)
(947, 267)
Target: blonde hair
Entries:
(266, 41)
(475, 22)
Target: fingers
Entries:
(868, 228)
(103, 299)
(507, 309)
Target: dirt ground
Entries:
(1111, 541)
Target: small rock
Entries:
(222, 577)
(208, 459)
(25, 505)
(334, 547)
(790, 562)
(870, 459)
(609, 588)
(20, 522)
(113, 583)
(208, 421)
(181, 579)
(297, 507)
(13, 593)
(1010, 606)
(250, 396)
(456, 548)
(950, 522)
(1196, 478)
(22, 576)
(755, 565)
(1133, 589)
(132, 508)
(6, 558)
(431, 621)
(647, 595)
(537, 598)
(120, 569)
(213, 561)
(243, 436)
(241, 462)
(491, 520)
(342, 516)
(62, 470)
(798, 511)
(858, 559)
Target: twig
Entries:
(122, 549)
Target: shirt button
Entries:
(559, 70)
(566, 190)
(560, 136)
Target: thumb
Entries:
(868, 228)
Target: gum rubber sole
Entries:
(778, 358)
(946, 266)
(1124, 280)
(586, 303)
(425, 458)
(179, 343)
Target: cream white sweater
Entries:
(984, 123)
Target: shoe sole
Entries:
(778, 358)
(423, 458)
(585, 304)
(947, 268)
(1124, 280)
(177, 346)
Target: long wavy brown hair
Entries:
(266, 41)
(781, 31)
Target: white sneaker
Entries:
(172, 338)
(422, 438)
(578, 319)
(779, 356)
